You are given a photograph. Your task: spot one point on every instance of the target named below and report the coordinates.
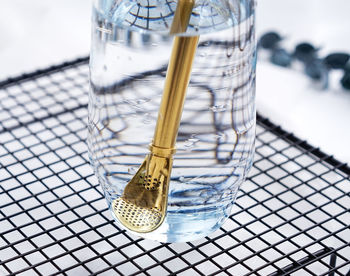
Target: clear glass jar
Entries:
(131, 46)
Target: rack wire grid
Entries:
(291, 216)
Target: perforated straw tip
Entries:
(135, 218)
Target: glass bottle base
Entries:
(185, 226)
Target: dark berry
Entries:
(347, 67)
(336, 60)
(345, 81)
(315, 69)
(281, 57)
(305, 52)
(269, 40)
(318, 71)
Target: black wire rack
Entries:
(291, 216)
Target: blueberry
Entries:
(345, 81)
(347, 67)
(315, 69)
(318, 71)
(281, 57)
(269, 40)
(305, 52)
(336, 60)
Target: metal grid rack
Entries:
(291, 217)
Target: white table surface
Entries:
(36, 34)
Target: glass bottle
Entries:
(131, 47)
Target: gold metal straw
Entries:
(143, 205)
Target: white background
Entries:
(36, 33)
